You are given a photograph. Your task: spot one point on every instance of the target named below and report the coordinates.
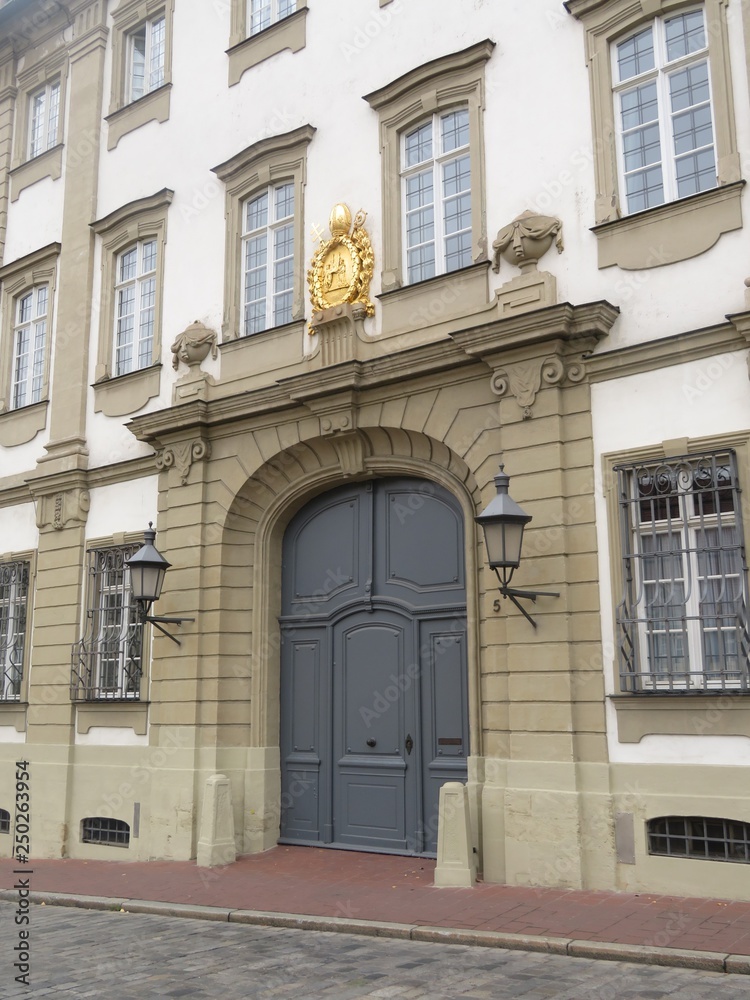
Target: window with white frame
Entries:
(29, 347)
(683, 622)
(261, 14)
(44, 117)
(663, 110)
(107, 661)
(436, 189)
(14, 595)
(268, 259)
(146, 58)
(135, 307)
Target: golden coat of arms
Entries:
(341, 268)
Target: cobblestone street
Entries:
(88, 953)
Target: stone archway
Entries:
(252, 537)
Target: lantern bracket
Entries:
(513, 594)
(160, 620)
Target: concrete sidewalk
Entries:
(393, 896)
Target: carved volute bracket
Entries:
(181, 456)
(524, 379)
(59, 510)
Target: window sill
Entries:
(126, 714)
(117, 397)
(436, 300)
(22, 425)
(681, 714)
(670, 233)
(47, 164)
(289, 33)
(150, 107)
(13, 713)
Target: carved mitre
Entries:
(193, 344)
(342, 267)
(527, 238)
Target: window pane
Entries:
(685, 34)
(636, 55)
(696, 173)
(54, 114)
(138, 63)
(129, 264)
(418, 145)
(36, 124)
(639, 106)
(284, 247)
(148, 257)
(644, 190)
(420, 227)
(25, 306)
(419, 191)
(689, 86)
(257, 213)
(260, 15)
(456, 176)
(454, 130)
(284, 201)
(421, 263)
(156, 61)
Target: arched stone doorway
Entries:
(374, 689)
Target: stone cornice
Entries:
(22, 488)
(576, 328)
(162, 199)
(565, 328)
(415, 78)
(261, 150)
(30, 260)
(679, 349)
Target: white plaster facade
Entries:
(538, 152)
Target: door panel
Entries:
(444, 715)
(370, 713)
(373, 652)
(303, 743)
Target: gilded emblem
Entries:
(341, 268)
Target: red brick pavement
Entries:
(319, 882)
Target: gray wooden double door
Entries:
(374, 715)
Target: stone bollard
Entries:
(216, 843)
(456, 864)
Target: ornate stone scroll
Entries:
(182, 456)
(524, 379)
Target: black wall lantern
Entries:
(503, 522)
(148, 567)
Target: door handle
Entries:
(409, 744)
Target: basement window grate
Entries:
(699, 838)
(4, 821)
(103, 830)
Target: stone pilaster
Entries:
(67, 449)
(7, 102)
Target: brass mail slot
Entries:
(452, 742)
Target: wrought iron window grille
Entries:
(14, 594)
(106, 663)
(104, 830)
(683, 619)
(699, 838)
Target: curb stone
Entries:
(706, 961)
